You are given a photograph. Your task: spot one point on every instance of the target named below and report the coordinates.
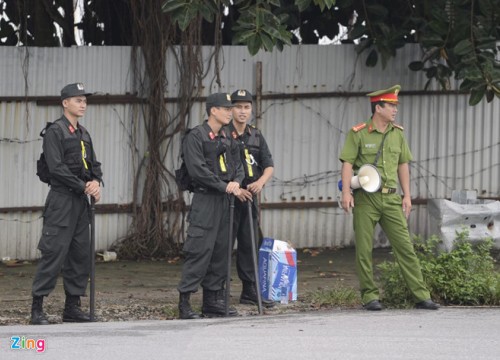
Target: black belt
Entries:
(200, 190)
(387, 190)
(66, 190)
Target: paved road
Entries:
(450, 333)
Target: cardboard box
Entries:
(277, 259)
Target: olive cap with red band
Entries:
(389, 95)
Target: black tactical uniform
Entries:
(65, 241)
(212, 162)
(255, 157)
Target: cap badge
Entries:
(79, 86)
(396, 92)
(242, 93)
(228, 97)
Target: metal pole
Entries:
(258, 107)
(92, 259)
(254, 257)
(229, 253)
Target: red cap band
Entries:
(391, 97)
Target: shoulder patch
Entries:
(398, 126)
(358, 127)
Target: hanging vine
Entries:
(159, 209)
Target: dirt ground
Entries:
(146, 290)
(128, 290)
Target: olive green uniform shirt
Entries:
(361, 148)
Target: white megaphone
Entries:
(368, 179)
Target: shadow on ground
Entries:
(128, 290)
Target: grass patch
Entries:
(338, 296)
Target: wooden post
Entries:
(258, 94)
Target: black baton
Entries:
(229, 253)
(92, 258)
(254, 257)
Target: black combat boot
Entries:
(185, 311)
(249, 295)
(221, 296)
(214, 304)
(72, 311)
(37, 315)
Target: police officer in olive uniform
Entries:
(75, 174)
(385, 206)
(212, 161)
(258, 166)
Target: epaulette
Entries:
(398, 126)
(251, 128)
(358, 127)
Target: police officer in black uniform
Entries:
(258, 166)
(75, 174)
(211, 159)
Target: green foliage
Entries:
(395, 292)
(259, 28)
(322, 4)
(183, 12)
(338, 296)
(170, 311)
(463, 276)
(458, 38)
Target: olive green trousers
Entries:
(385, 209)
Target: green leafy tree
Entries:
(459, 38)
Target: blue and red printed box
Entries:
(277, 260)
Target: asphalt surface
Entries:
(449, 333)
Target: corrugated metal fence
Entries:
(311, 96)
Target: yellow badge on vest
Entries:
(84, 155)
(249, 160)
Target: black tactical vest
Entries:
(77, 159)
(218, 156)
(249, 146)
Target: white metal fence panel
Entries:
(454, 146)
(43, 71)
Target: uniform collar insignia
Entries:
(234, 134)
